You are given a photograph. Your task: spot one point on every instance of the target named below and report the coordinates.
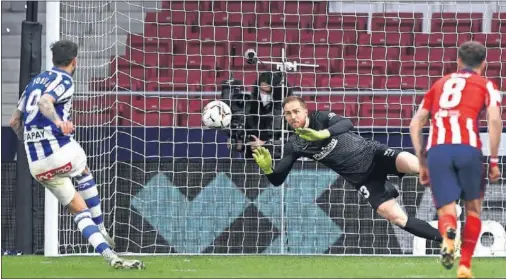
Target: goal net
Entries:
(169, 185)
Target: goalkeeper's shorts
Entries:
(56, 170)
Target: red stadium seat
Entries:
(427, 69)
(456, 22)
(296, 7)
(365, 67)
(389, 39)
(150, 111)
(491, 39)
(378, 53)
(432, 54)
(408, 82)
(240, 6)
(397, 22)
(345, 105)
(441, 39)
(496, 55)
(499, 23)
(186, 5)
(96, 111)
(232, 19)
(353, 81)
(177, 17)
(353, 22)
(386, 110)
(278, 20)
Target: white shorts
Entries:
(55, 172)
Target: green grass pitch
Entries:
(246, 267)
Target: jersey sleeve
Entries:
(428, 100)
(61, 88)
(22, 102)
(492, 95)
(283, 167)
(335, 124)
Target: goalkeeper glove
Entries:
(263, 159)
(312, 135)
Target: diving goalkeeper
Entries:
(325, 137)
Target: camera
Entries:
(251, 56)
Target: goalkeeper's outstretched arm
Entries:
(278, 175)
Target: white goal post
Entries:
(170, 186)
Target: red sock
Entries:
(445, 222)
(470, 236)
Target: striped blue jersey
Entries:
(42, 137)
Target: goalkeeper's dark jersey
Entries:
(345, 152)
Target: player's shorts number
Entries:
(452, 93)
(31, 104)
(364, 192)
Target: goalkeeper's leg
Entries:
(65, 192)
(381, 195)
(88, 190)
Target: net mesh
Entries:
(146, 69)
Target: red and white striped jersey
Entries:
(455, 102)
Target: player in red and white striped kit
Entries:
(454, 163)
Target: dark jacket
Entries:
(251, 117)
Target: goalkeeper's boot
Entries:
(464, 272)
(106, 236)
(448, 249)
(119, 263)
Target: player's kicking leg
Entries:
(64, 191)
(88, 190)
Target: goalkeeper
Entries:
(325, 137)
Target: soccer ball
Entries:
(216, 114)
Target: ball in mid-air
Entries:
(216, 114)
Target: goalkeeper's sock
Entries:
(91, 232)
(470, 236)
(88, 190)
(422, 229)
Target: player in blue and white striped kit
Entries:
(54, 157)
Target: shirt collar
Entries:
(56, 69)
(467, 70)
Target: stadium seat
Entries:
(181, 18)
(378, 53)
(352, 81)
(231, 19)
(344, 105)
(431, 54)
(240, 6)
(368, 67)
(397, 22)
(386, 110)
(408, 82)
(96, 111)
(186, 5)
(352, 21)
(325, 37)
(422, 69)
(149, 112)
(499, 23)
(277, 20)
(456, 22)
(306, 81)
(441, 39)
(387, 39)
(190, 111)
(296, 7)
(265, 35)
(491, 39)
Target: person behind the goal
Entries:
(454, 163)
(42, 120)
(327, 138)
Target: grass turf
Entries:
(245, 267)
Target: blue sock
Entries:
(88, 190)
(91, 232)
